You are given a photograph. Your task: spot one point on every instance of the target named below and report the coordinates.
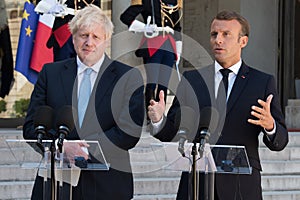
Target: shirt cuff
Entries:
(272, 132)
(156, 127)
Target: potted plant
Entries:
(20, 107)
(2, 106)
(17, 118)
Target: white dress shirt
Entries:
(81, 68)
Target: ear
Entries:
(107, 42)
(243, 41)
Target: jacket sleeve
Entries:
(280, 139)
(129, 15)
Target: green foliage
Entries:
(20, 107)
(2, 105)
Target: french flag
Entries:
(41, 54)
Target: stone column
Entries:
(124, 43)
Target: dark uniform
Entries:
(6, 57)
(160, 50)
(61, 39)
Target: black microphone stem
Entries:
(52, 151)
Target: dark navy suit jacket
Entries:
(114, 117)
(196, 90)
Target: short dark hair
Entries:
(231, 15)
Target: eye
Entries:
(213, 34)
(226, 34)
(96, 37)
(84, 35)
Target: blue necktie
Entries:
(84, 94)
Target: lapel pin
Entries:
(243, 76)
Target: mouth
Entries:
(87, 50)
(218, 50)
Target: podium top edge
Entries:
(212, 145)
(48, 141)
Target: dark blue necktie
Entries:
(225, 73)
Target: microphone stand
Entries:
(207, 178)
(52, 165)
(194, 170)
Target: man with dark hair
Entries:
(247, 102)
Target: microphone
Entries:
(185, 120)
(64, 124)
(42, 121)
(205, 117)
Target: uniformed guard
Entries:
(161, 44)
(6, 56)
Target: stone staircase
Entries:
(280, 177)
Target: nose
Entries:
(218, 39)
(88, 41)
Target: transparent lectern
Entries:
(63, 170)
(215, 159)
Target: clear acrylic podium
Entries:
(215, 159)
(28, 155)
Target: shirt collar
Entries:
(234, 68)
(95, 67)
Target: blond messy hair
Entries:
(89, 16)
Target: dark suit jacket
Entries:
(197, 91)
(114, 117)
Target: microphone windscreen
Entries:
(64, 117)
(205, 117)
(43, 116)
(185, 118)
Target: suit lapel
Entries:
(239, 85)
(105, 78)
(208, 74)
(68, 76)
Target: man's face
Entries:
(226, 41)
(90, 43)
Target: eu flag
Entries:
(26, 42)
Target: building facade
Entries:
(273, 46)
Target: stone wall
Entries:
(292, 114)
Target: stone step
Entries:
(162, 185)
(15, 190)
(19, 155)
(280, 167)
(147, 169)
(281, 195)
(281, 182)
(166, 187)
(276, 167)
(285, 195)
(289, 153)
(155, 197)
(15, 173)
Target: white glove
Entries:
(137, 26)
(178, 51)
(150, 28)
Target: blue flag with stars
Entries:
(26, 41)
